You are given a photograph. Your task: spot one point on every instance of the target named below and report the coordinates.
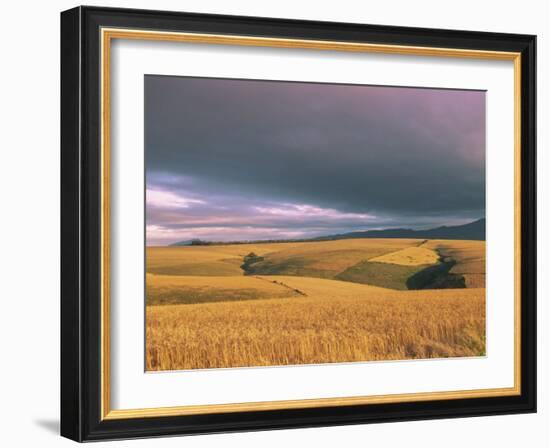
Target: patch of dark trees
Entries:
(249, 260)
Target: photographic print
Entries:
(276, 224)
(293, 223)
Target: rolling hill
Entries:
(311, 302)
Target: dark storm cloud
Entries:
(398, 155)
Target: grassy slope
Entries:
(170, 290)
(386, 275)
(205, 260)
(381, 262)
(326, 259)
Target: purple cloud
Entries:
(239, 159)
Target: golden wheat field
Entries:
(311, 303)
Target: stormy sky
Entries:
(234, 160)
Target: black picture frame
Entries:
(81, 224)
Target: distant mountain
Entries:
(472, 231)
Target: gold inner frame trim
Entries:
(107, 35)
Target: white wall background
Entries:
(29, 224)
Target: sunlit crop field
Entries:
(336, 322)
(310, 303)
(410, 256)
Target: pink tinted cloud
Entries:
(310, 211)
(179, 215)
(168, 199)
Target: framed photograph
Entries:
(276, 224)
